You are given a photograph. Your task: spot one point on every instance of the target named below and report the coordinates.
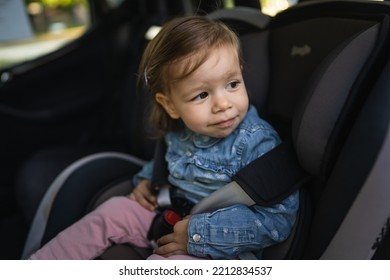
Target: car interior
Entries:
(318, 71)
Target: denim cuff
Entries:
(197, 239)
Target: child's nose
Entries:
(221, 103)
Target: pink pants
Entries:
(118, 220)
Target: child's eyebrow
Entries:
(233, 73)
(225, 76)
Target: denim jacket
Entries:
(199, 165)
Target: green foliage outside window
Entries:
(59, 3)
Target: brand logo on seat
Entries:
(300, 50)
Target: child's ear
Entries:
(167, 104)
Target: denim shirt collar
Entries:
(199, 140)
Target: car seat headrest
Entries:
(302, 74)
(314, 122)
(316, 63)
(241, 15)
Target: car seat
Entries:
(317, 73)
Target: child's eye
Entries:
(233, 85)
(200, 96)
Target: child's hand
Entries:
(174, 243)
(143, 196)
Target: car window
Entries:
(269, 7)
(33, 28)
(272, 7)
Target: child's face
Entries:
(212, 100)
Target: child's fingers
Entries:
(142, 195)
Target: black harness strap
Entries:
(160, 169)
(272, 177)
(267, 180)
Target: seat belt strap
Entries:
(272, 177)
(160, 169)
(265, 181)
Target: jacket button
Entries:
(196, 237)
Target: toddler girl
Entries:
(193, 68)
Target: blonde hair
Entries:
(188, 39)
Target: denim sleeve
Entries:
(227, 232)
(145, 173)
(259, 143)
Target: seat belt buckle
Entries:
(162, 224)
(164, 196)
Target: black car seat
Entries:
(315, 72)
